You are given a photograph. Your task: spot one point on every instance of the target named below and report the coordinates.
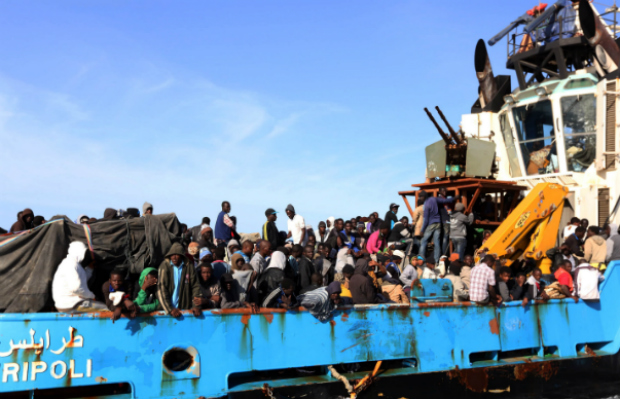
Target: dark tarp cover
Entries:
(28, 261)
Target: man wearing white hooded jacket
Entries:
(70, 285)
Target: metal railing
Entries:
(516, 42)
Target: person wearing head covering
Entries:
(70, 284)
(270, 230)
(322, 302)
(24, 221)
(392, 288)
(178, 287)
(296, 226)
(361, 285)
(38, 221)
(82, 219)
(329, 225)
(206, 256)
(613, 243)
(206, 238)
(458, 228)
(430, 269)
(209, 286)
(147, 300)
(409, 274)
(237, 262)
(147, 209)
(390, 215)
(238, 290)
(322, 233)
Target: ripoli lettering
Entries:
(28, 371)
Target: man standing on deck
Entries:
(224, 225)
(390, 216)
(296, 226)
(434, 217)
(270, 230)
(482, 288)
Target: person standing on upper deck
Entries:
(296, 226)
(390, 216)
(224, 225)
(482, 288)
(434, 217)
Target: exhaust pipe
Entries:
(484, 73)
(605, 47)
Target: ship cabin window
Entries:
(536, 135)
(513, 159)
(579, 119)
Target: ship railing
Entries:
(516, 43)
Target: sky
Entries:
(262, 103)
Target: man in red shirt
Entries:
(565, 278)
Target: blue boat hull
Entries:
(226, 348)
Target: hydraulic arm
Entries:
(532, 228)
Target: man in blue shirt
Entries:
(434, 217)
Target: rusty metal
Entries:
(598, 37)
(443, 134)
(484, 73)
(454, 135)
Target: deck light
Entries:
(509, 99)
(541, 91)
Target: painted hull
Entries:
(232, 351)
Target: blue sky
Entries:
(262, 103)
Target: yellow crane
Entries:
(531, 229)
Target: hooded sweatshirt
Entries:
(595, 250)
(146, 206)
(361, 286)
(147, 300)
(613, 243)
(21, 223)
(70, 284)
(187, 284)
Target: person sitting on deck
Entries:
(586, 281)
(316, 281)
(209, 286)
(534, 288)
(233, 247)
(517, 292)
(219, 266)
(430, 270)
(237, 262)
(306, 268)
(24, 221)
(392, 288)
(259, 260)
(178, 286)
(239, 294)
(408, 276)
(502, 283)
(247, 250)
(482, 288)
(377, 242)
(563, 287)
(70, 285)
(117, 296)
(361, 284)
(322, 302)
(460, 293)
(282, 297)
(468, 263)
(146, 300)
(272, 277)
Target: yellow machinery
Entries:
(531, 229)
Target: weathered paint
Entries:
(464, 339)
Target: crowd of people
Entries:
(362, 260)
